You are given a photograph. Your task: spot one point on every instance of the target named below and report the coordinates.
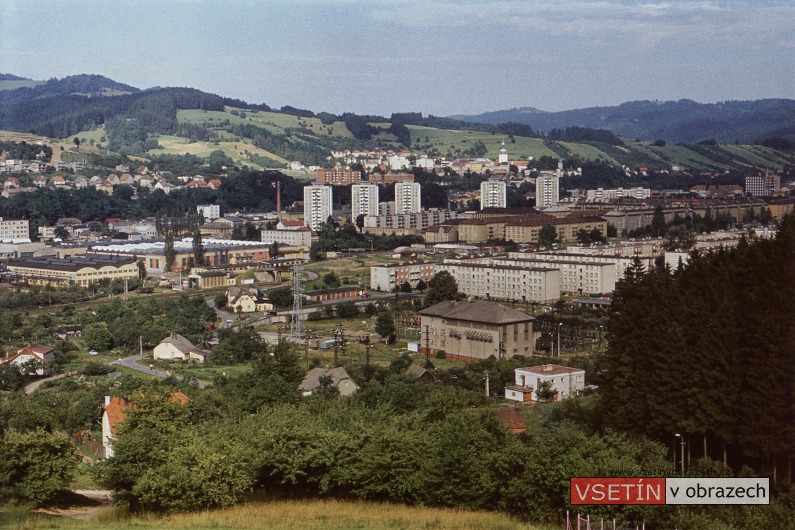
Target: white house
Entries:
(176, 347)
(565, 381)
(247, 300)
(32, 355)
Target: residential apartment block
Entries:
(407, 197)
(620, 263)
(317, 205)
(576, 276)
(209, 211)
(14, 229)
(299, 238)
(492, 194)
(364, 200)
(387, 277)
(547, 191)
(526, 230)
(389, 178)
(410, 223)
(762, 185)
(502, 282)
(603, 195)
(338, 176)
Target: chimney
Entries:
(107, 400)
(547, 367)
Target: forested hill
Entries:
(62, 116)
(107, 115)
(674, 121)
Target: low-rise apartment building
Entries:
(387, 277)
(519, 284)
(576, 276)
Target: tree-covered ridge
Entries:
(60, 116)
(707, 351)
(675, 121)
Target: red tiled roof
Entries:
(511, 417)
(117, 408)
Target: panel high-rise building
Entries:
(317, 205)
(364, 200)
(407, 197)
(548, 188)
(762, 185)
(492, 194)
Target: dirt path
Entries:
(28, 389)
(82, 504)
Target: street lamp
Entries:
(601, 331)
(559, 325)
(682, 452)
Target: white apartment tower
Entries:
(364, 200)
(407, 197)
(492, 194)
(547, 188)
(317, 205)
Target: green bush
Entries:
(36, 465)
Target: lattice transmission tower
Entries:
(295, 324)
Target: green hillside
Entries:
(176, 121)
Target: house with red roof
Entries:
(113, 413)
(30, 356)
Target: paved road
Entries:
(132, 362)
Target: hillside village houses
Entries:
(32, 358)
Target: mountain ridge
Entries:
(682, 121)
(157, 120)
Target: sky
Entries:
(438, 57)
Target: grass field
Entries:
(19, 83)
(278, 515)
(237, 150)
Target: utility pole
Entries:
(427, 346)
(486, 373)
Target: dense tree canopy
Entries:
(699, 334)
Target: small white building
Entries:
(175, 347)
(564, 381)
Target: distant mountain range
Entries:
(173, 121)
(684, 121)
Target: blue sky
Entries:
(433, 56)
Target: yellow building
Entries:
(73, 271)
(526, 230)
